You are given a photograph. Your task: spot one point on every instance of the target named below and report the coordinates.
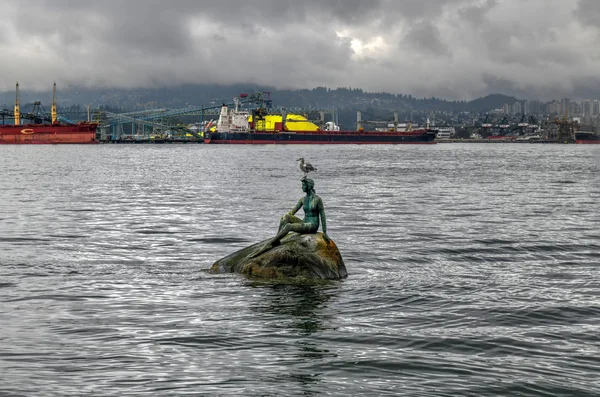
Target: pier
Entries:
(165, 125)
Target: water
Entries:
(473, 270)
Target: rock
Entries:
(298, 255)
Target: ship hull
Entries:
(80, 133)
(321, 137)
(587, 138)
(588, 142)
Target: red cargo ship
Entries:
(83, 132)
(37, 132)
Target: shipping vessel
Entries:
(44, 130)
(236, 126)
(587, 137)
(48, 133)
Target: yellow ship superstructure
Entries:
(293, 122)
(236, 120)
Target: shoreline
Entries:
(483, 140)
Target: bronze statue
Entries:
(313, 211)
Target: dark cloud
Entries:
(476, 14)
(588, 12)
(448, 48)
(425, 36)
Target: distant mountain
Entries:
(490, 102)
(213, 95)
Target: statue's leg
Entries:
(287, 219)
(301, 227)
(298, 227)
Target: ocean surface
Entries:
(474, 270)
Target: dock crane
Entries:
(53, 112)
(4, 113)
(17, 110)
(503, 126)
(521, 125)
(484, 131)
(522, 122)
(532, 120)
(566, 129)
(485, 123)
(37, 114)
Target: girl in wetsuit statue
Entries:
(313, 210)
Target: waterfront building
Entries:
(554, 107)
(536, 107)
(587, 108)
(565, 107)
(516, 108)
(445, 132)
(576, 109)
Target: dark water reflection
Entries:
(303, 305)
(473, 270)
(300, 312)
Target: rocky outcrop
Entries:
(298, 255)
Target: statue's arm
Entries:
(296, 207)
(323, 219)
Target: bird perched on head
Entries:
(305, 166)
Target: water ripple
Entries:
(473, 271)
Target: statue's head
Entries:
(307, 184)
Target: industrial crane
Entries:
(566, 129)
(503, 126)
(17, 111)
(4, 113)
(53, 112)
(520, 126)
(484, 131)
(485, 123)
(532, 120)
(37, 115)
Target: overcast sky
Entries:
(454, 49)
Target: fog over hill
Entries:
(214, 95)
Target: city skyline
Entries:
(451, 49)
